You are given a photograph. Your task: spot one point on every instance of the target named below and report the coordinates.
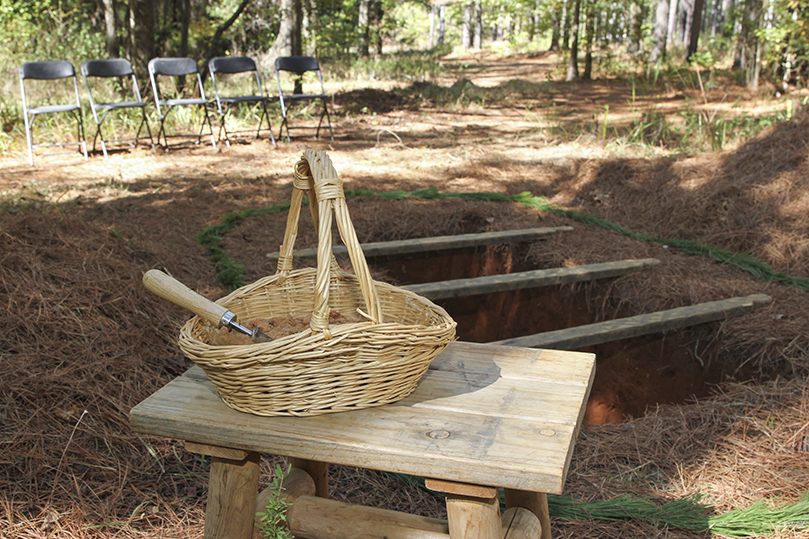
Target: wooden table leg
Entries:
(536, 502)
(232, 493)
(319, 472)
(473, 512)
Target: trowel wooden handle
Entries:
(176, 292)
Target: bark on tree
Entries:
(555, 29)
(308, 25)
(565, 24)
(111, 28)
(478, 25)
(636, 27)
(288, 40)
(433, 10)
(362, 26)
(749, 44)
(695, 28)
(440, 30)
(573, 64)
(466, 33)
(589, 29)
(674, 9)
(213, 48)
(141, 33)
(185, 20)
(661, 27)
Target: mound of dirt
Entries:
(753, 199)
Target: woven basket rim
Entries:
(336, 330)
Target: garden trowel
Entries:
(176, 292)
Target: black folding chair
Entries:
(119, 69)
(50, 70)
(298, 66)
(178, 69)
(232, 67)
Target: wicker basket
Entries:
(322, 369)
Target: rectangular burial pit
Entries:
(632, 374)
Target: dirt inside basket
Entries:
(276, 327)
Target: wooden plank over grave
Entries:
(644, 324)
(439, 243)
(528, 279)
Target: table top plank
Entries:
(467, 426)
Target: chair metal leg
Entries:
(223, 128)
(144, 121)
(82, 138)
(265, 114)
(210, 127)
(29, 139)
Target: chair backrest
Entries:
(296, 64)
(52, 69)
(113, 67)
(231, 64)
(173, 67)
(109, 68)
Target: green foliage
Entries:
(464, 92)
(273, 519)
(398, 66)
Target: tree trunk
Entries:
(661, 26)
(565, 24)
(141, 32)
(589, 28)
(213, 48)
(379, 13)
(555, 29)
(440, 30)
(752, 44)
(573, 64)
(466, 34)
(111, 27)
(636, 17)
(362, 27)
(674, 10)
(684, 23)
(433, 9)
(478, 25)
(308, 26)
(185, 20)
(288, 40)
(696, 27)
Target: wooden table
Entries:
(484, 416)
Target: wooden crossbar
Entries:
(644, 324)
(438, 243)
(528, 279)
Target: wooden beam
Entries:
(644, 324)
(528, 279)
(438, 243)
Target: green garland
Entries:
(686, 513)
(231, 274)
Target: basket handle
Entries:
(315, 174)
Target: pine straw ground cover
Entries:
(82, 342)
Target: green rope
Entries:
(231, 274)
(686, 513)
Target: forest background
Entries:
(689, 62)
(754, 39)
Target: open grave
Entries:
(665, 357)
